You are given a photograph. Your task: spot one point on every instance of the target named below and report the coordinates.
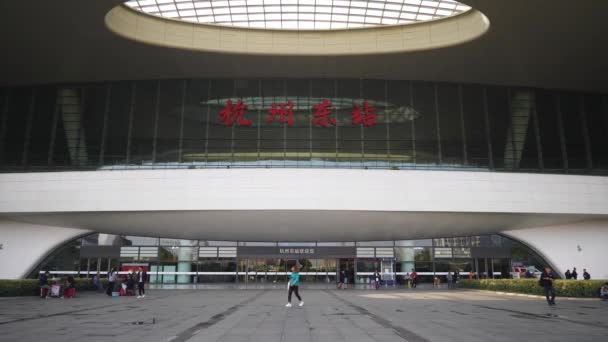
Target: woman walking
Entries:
(294, 285)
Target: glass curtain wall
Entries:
(173, 261)
(333, 123)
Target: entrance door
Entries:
(348, 266)
(386, 270)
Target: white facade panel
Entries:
(302, 205)
(25, 245)
(303, 189)
(581, 245)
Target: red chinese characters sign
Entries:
(230, 114)
(284, 114)
(366, 117)
(361, 115)
(322, 113)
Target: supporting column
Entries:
(184, 262)
(407, 255)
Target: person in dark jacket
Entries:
(604, 292)
(455, 279)
(70, 282)
(568, 274)
(586, 274)
(131, 284)
(574, 274)
(43, 283)
(546, 281)
(43, 279)
(141, 279)
(377, 279)
(341, 280)
(450, 279)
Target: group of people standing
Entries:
(343, 279)
(56, 287)
(376, 279)
(452, 278)
(60, 287)
(574, 275)
(126, 285)
(411, 279)
(547, 279)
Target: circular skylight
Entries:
(300, 14)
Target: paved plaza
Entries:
(328, 315)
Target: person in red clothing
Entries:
(414, 278)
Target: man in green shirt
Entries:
(294, 285)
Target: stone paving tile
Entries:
(260, 315)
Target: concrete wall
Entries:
(25, 245)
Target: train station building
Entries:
(218, 142)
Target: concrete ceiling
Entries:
(297, 225)
(560, 44)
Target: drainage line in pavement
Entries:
(63, 313)
(546, 316)
(407, 335)
(190, 332)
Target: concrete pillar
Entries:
(184, 261)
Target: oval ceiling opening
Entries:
(300, 14)
(296, 28)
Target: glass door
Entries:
(483, 269)
(348, 267)
(501, 268)
(386, 271)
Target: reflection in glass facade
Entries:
(174, 261)
(418, 125)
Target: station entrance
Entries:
(200, 262)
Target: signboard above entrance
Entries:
(297, 252)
